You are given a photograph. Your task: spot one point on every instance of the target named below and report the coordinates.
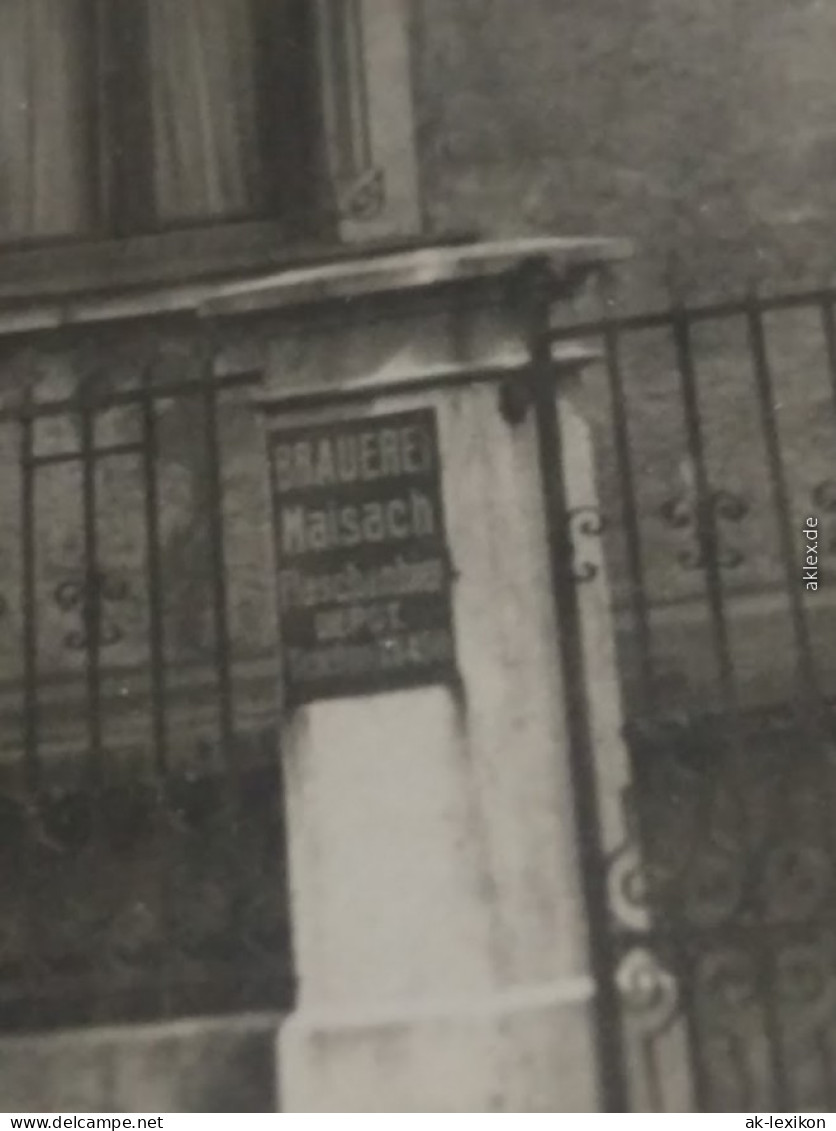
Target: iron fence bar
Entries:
(120, 399)
(731, 710)
(29, 603)
(30, 718)
(661, 319)
(233, 863)
(220, 597)
(829, 330)
(780, 497)
(72, 457)
(608, 1032)
(153, 566)
(708, 548)
(629, 511)
(651, 1074)
(821, 719)
(79, 826)
(158, 682)
(91, 632)
(91, 596)
(699, 1070)
(707, 541)
(781, 1091)
(805, 672)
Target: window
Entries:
(130, 116)
(136, 134)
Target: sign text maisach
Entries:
(364, 574)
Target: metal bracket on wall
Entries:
(516, 394)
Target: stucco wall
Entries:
(705, 131)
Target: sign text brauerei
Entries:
(364, 571)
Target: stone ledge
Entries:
(371, 271)
(508, 366)
(410, 271)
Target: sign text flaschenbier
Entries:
(363, 565)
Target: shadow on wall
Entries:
(194, 1066)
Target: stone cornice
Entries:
(422, 269)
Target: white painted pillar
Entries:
(439, 925)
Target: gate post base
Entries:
(527, 1051)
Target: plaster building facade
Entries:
(157, 162)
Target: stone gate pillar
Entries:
(442, 938)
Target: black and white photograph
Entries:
(417, 560)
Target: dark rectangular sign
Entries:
(363, 565)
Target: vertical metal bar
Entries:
(629, 511)
(706, 529)
(697, 1063)
(708, 546)
(31, 758)
(92, 583)
(233, 864)
(92, 591)
(220, 608)
(29, 605)
(820, 739)
(805, 669)
(153, 565)
(728, 684)
(829, 330)
(159, 721)
(608, 1032)
(806, 672)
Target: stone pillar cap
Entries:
(412, 270)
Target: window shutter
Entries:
(368, 116)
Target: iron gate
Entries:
(141, 853)
(716, 429)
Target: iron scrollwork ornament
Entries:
(796, 880)
(585, 523)
(712, 885)
(726, 985)
(628, 889)
(805, 982)
(648, 990)
(681, 513)
(86, 597)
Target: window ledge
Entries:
(49, 288)
(426, 267)
(54, 270)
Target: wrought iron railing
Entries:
(141, 843)
(716, 433)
